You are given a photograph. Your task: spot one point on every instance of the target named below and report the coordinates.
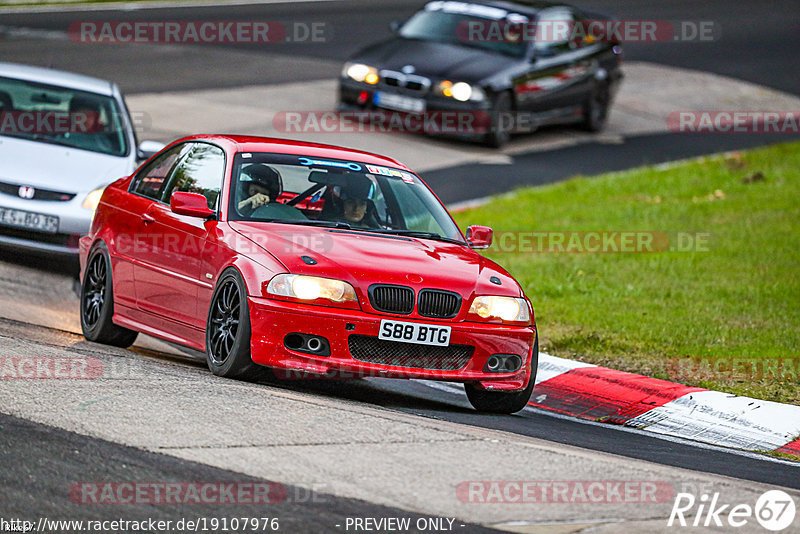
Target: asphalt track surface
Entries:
(417, 398)
(758, 44)
(752, 42)
(466, 182)
(45, 473)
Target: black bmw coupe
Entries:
(511, 66)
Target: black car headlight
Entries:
(361, 73)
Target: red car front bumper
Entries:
(273, 320)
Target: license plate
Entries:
(29, 220)
(421, 334)
(398, 102)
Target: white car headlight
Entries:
(505, 308)
(311, 288)
(461, 91)
(93, 199)
(361, 73)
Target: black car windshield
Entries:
(61, 116)
(469, 29)
(350, 195)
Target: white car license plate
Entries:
(421, 334)
(28, 219)
(398, 102)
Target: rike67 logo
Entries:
(774, 511)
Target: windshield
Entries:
(466, 29)
(61, 116)
(346, 194)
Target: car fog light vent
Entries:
(307, 343)
(502, 363)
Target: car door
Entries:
(557, 80)
(168, 273)
(132, 237)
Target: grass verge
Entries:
(722, 314)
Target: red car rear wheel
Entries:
(97, 302)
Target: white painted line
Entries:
(552, 366)
(666, 437)
(468, 204)
(724, 419)
(682, 440)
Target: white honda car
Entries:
(63, 138)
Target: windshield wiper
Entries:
(418, 233)
(306, 222)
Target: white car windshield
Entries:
(345, 194)
(62, 116)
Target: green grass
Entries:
(637, 312)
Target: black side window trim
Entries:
(167, 178)
(139, 175)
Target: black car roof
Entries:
(523, 7)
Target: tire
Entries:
(498, 136)
(97, 302)
(501, 402)
(228, 331)
(595, 109)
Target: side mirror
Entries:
(191, 204)
(479, 237)
(395, 26)
(148, 149)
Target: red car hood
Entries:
(363, 259)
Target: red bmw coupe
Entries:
(305, 259)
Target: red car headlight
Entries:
(313, 290)
(491, 308)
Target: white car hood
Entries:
(58, 168)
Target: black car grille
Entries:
(438, 304)
(392, 299)
(412, 82)
(39, 194)
(370, 349)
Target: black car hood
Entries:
(435, 59)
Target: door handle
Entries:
(147, 218)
